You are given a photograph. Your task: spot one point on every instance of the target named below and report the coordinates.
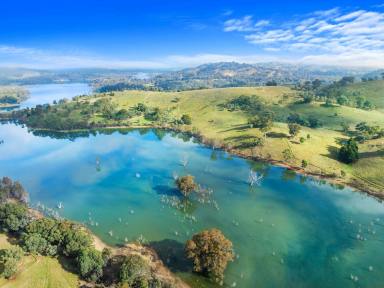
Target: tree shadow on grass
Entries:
(372, 154)
(171, 252)
(239, 138)
(333, 152)
(237, 128)
(277, 135)
(68, 264)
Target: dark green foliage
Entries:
(314, 122)
(304, 163)
(90, 264)
(342, 100)
(153, 115)
(186, 119)
(349, 152)
(263, 121)
(294, 129)
(250, 104)
(271, 83)
(13, 217)
(64, 237)
(37, 244)
(121, 114)
(135, 271)
(9, 259)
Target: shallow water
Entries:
(47, 93)
(288, 232)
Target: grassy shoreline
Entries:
(228, 129)
(357, 186)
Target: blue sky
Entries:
(175, 34)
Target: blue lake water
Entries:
(290, 231)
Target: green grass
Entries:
(371, 90)
(38, 272)
(220, 127)
(230, 127)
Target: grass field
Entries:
(371, 90)
(38, 272)
(231, 128)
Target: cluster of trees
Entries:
(333, 93)
(311, 121)
(54, 237)
(83, 114)
(367, 132)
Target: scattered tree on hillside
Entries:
(186, 119)
(210, 252)
(349, 152)
(294, 129)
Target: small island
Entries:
(12, 96)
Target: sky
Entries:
(176, 34)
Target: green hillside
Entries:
(219, 126)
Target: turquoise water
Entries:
(288, 232)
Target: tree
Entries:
(135, 271)
(186, 119)
(294, 129)
(349, 152)
(9, 259)
(186, 184)
(264, 121)
(304, 163)
(90, 264)
(13, 216)
(36, 244)
(210, 252)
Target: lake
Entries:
(47, 93)
(289, 231)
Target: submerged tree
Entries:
(186, 184)
(210, 252)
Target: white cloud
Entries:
(349, 38)
(244, 24)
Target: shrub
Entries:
(210, 252)
(9, 259)
(36, 244)
(135, 271)
(304, 163)
(13, 216)
(349, 152)
(186, 184)
(90, 264)
(186, 119)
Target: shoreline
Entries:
(354, 184)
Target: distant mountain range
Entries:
(222, 74)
